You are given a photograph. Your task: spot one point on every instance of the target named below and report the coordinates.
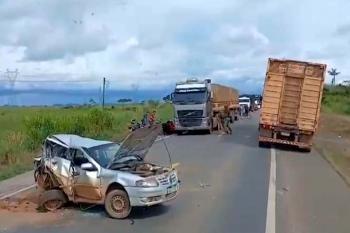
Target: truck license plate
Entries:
(286, 134)
(171, 189)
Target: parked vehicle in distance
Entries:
(291, 102)
(244, 100)
(84, 170)
(196, 102)
(192, 105)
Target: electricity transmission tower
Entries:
(11, 76)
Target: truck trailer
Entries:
(291, 103)
(224, 97)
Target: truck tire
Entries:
(264, 144)
(52, 200)
(117, 204)
(305, 149)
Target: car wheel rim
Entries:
(53, 205)
(118, 204)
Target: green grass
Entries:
(23, 129)
(336, 100)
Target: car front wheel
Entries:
(117, 204)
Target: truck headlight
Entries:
(152, 182)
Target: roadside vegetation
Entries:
(24, 128)
(333, 139)
(336, 99)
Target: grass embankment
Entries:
(336, 100)
(333, 140)
(22, 130)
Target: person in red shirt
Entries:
(152, 118)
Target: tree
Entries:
(92, 101)
(124, 100)
(333, 72)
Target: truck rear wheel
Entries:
(117, 204)
(264, 144)
(305, 149)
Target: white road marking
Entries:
(271, 201)
(17, 192)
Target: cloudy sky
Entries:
(151, 44)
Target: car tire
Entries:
(117, 204)
(52, 200)
(179, 132)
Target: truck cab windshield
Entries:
(190, 97)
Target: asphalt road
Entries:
(224, 188)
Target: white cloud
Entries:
(152, 44)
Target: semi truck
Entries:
(291, 103)
(195, 103)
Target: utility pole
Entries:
(103, 92)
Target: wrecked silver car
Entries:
(83, 170)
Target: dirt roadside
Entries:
(21, 210)
(333, 142)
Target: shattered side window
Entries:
(60, 151)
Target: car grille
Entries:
(190, 113)
(190, 122)
(171, 195)
(167, 179)
(163, 180)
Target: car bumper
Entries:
(152, 196)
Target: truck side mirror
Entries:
(172, 96)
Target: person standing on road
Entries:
(227, 121)
(152, 118)
(219, 122)
(241, 110)
(145, 120)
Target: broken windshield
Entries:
(103, 154)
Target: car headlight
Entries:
(152, 182)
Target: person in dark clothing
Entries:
(227, 121)
(145, 121)
(246, 110)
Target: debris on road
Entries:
(204, 185)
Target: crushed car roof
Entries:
(71, 140)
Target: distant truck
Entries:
(192, 105)
(291, 102)
(196, 102)
(244, 100)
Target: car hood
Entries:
(138, 143)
